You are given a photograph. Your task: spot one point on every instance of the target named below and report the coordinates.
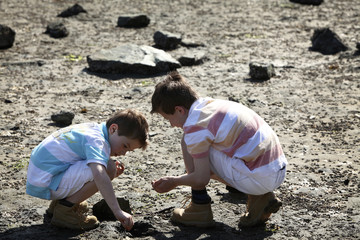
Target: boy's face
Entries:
(120, 144)
(178, 118)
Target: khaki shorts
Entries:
(257, 182)
(73, 180)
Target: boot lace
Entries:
(185, 201)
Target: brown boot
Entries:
(73, 218)
(83, 207)
(199, 215)
(259, 209)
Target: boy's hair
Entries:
(131, 124)
(171, 92)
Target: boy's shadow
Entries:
(218, 231)
(159, 226)
(39, 232)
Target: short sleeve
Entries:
(198, 141)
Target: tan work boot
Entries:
(83, 207)
(199, 215)
(259, 209)
(73, 218)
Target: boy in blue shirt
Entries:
(73, 163)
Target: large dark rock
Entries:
(192, 58)
(63, 118)
(56, 30)
(131, 58)
(133, 21)
(308, 2)
(72, 11)
(166, 40)
(326, 42)
(7, 37)
(103, 212)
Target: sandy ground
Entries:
(312, 103)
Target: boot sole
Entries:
(72, 226)
(195, 224)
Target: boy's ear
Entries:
(180, 109)
(113, 128)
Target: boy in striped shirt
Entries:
(73, 163)
(225, 141)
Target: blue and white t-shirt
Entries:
(52, 157)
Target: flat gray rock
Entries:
(131, 58)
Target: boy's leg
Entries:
(69, 212)
(261, 200)
(90, 188)
(198, 213)
(259, 209)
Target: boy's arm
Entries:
(104, 185)
(197, 179)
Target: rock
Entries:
(261, 71)
(103, 212)
(190, 44)
(326, 42)
(72, 11)
(63, 118)
(131, 58)
(191, 58)
(134, 21)
(143, 229)
(57, 30)
(308, 2)
(7, 37)
(166, 40)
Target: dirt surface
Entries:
(312, 103)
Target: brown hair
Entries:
(131, 124)
(171, 92)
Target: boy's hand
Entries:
(120, 167)
(126, 220)
(164, 184)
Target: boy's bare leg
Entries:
(90, 188)
(198, 212)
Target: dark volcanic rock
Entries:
(57, 30)
(308, 2)
(261, 71)
(7, 37)
(103, 212)
(63, 118)
(134, 21)
(166, 40)
(192, 58)
(326, 42)
(72, 11)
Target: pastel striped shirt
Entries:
(233, 129)
(50, 159)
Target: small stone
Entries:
(57, 30)
(63, 118)
(261, 71)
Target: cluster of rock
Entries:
(131, 58)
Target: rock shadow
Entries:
(119, 76)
